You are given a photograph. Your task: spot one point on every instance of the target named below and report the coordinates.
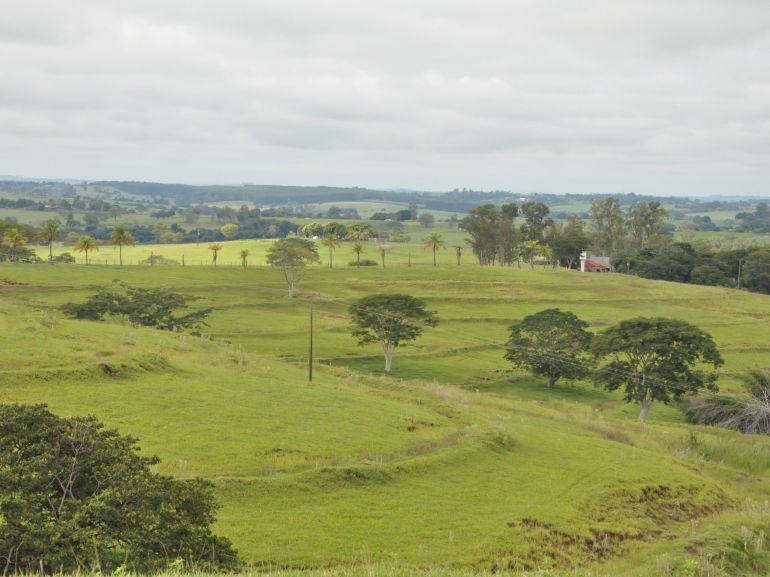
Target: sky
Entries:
(646, 96)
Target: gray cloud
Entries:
(550, 95)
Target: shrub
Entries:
(75, 496)
(364, 262)
(145, 307)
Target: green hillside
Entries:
(454, 460)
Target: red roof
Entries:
(593, 265)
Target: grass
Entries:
(454, 462)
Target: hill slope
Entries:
(454, 460)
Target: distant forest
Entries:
(458, 200)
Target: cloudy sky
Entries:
(651, 96)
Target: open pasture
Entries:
(453, 460)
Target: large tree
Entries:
(78, 498)
(645, 220)
(535, 220)
(292, 255)
(569, 241)
(656, 359)
(608, 224)
(391, 320)
(551, 343)
(120, 237)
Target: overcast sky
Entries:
(650, 96)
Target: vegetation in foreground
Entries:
(453, 459)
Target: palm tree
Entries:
(532, 249)
(358, 249)
(434, 242)
(458, 253)
(13, 239)
(215, 248)
(49, 233)
(244, 255)
(121, 236)
(331, 242)
(86, 244)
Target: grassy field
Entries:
(453, 461)
(398, 253)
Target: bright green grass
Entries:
(436, 465)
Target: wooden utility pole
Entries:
(310, 349)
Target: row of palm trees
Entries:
(51, 231)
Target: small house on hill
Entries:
(595, 264)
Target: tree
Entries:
(656, 359)
(76, 497)
(86, 244)
(154, 308)
(482, 224)
(358, 250)
(390, 320)
(532, 249)
(458, 253)
(120, 237)
(14, 239)
(434, 242)
(361, 231)
(384, 249)
(551, 344)
(244, 254)
(427, 219)
(49, 233)
(229, 230)
(645, 220)
(332, 242)
(215, 248)
(756, 271)
(570, 241)
(413, 206)
(535, 220)
(608, 225)
(291, 255)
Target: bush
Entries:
(154, 259)
(65, 257)
(75, 496)
(364, 262)
(145, 307)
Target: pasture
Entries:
(453, 460)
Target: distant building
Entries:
(595, 263)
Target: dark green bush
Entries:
(75, 496)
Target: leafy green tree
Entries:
(361, 231)
(391, 320)
(154, 308)
(244, 254)
(292, 255)
(483, 224)
(569, 241)
(608, 224)
(656, 359)
(434, 242)
(14, 239)
(215, 248)
(49, 233)
(86, 244)
(535, 220)
(120, 237)
(756, 271)
(427, 219)
(358, 250)
(645, 220)
(229, 230)
(76, 497)
(551, 343)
